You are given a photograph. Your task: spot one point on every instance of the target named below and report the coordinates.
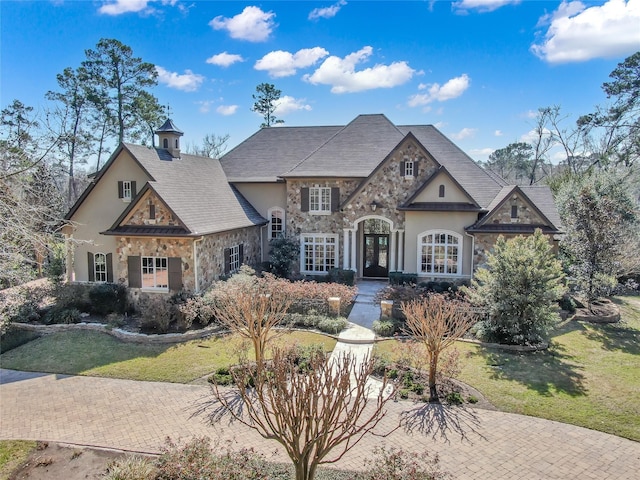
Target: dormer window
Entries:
(441, 191)
(126, 190)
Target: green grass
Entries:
(13, 453)
(99, 354)
(590, 376)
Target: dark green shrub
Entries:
(73, 295)
(385, 328)
(332, 325)
(56, 266)
(108, 298)
(400, 278)
(472, 399)
(403, 393)
(283, 254)
(62, 315)
(115, 320)
(454, 398)
(222, 376)
(339, 275)
(567, 303)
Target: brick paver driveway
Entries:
(472, 444)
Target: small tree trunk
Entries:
(433, 368)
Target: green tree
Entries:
(265, 103)
(118, 80)
(69, 122)
(150, 115)
(511, 162)
(518, 289)
(600, 219)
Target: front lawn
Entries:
(99, 354)
(590, 376)
(12, 454)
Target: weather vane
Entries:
(168, 111)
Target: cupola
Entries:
(169, 138)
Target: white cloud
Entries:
(252, 24)
(327, 12)
(498, 133)
(227, 110)
(532, 136)
(118, 7)
(204, 106)
(577, 33)
(283, 64)
(287, 104)
(482, 5)
(187, 82)
(481, 152)
(464, 133)
(452, 89)
(341, 73)
(224, 59)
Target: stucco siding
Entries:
(452, 192)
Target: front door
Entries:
(376, 255)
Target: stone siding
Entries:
(484, 242)
(526, 214)
(140, 215)
(211, 253)
(155, 247)
(388, 189)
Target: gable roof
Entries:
(270, 152)
(193, 187)
(353, 150)
(442, 170)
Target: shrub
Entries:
(400, 278)
(332, 324)
(396, 464)
(115, 320)
(155, 314)
(283, 254)
(518, 288)
(567, 303)
(453, 398)
(63, 315)
(222, 376)
(312, 295)
(130, 467)
(73, 295)
(108, 298)
(196, 309)
(339, 275)
(384, 328)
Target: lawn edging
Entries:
(500, 346)
(124, 335)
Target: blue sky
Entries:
(477, 69)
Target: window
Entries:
(155, 273)
(276, 222)
(320, 200)
(441, 191)
(408, 168)
(514, 212)
(165, 143)
(100, 267)
(318, 253)
(126, 190)
(234, 258)
(439, 253)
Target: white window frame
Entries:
(318, 253)
(443, 260)
(409, 168)
(320, 200)
(235, 262)
(279, 214)
(100, 267)
(126, 191)
(155, 269)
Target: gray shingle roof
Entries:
(270, 152)
(197, 191)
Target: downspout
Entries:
(473, 253)
(195, 263)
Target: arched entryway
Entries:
(375, 248)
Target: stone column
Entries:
(400, 250)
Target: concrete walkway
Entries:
(471, 443)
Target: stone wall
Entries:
(484, 242)
(211, 252)
(526, 214)
(155, 247)
(140, 215)
(388, 189)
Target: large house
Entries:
(370, 196)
